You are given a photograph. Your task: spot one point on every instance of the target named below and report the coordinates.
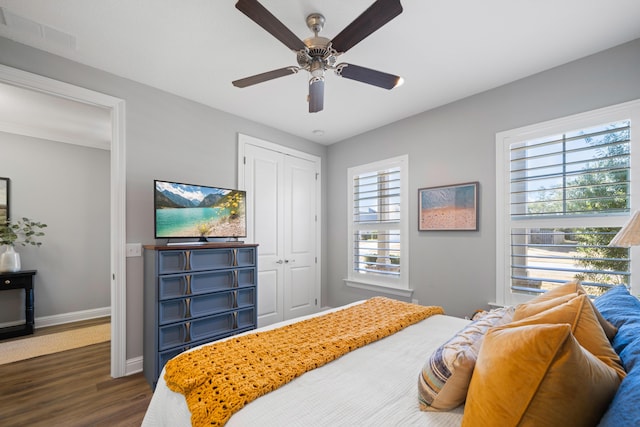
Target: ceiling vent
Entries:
(27, 31)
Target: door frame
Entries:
(27, 80)
(243, 140)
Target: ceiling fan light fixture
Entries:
(317, 54)
(316, 69)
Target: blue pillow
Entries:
(623, 310)
(623, 410)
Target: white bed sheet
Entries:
(375, 385)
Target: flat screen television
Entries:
(189, 210)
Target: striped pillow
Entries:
(445, 377)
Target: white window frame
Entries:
(628, 110)
(395, 286)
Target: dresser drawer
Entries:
(188, 332)
(245, 297)
(246, 277)
(205, 259)
(223, 258)
(206, 328)
(176, 310)
(246, 319)
(186, 308)
(165, 356)
(15, 281)
(177, 285)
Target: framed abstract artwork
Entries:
(4, 200)
(448, 207)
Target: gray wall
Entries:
(455, 144)
(171, 138)
(167, 137)
(66, 187)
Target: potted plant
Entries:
(20, 232)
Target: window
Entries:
(564, 189)
(378, 253)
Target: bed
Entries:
(377, 384)
(370, 374)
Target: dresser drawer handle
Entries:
(187, 313)
(188, 278)
(7, 282)
(187, 260)
(187, 327)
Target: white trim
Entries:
(246, 139)
(391, 285)
(32, 81)
(134, 365)
(378, 287)
(504, 139)
(61, 319)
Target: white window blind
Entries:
(584, 172)
(565, 194)
(378, 223)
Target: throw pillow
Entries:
(536, 306)
(573, 288)
(579, 313)
(623, 310)
(445, 377)
(527, 375)
(624, 409)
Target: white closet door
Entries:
(282, 219)
(263, 181)
(299, 237)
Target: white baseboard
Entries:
(60, 319)
(133, 366)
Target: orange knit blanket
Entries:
(219, 379)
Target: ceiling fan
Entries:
(318, 54)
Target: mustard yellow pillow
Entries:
(580, 314)
(571, 288)
(558, 291)
(537, 375)
(536, 306)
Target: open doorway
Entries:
(114, 109)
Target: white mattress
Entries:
(373, 385)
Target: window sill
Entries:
(378, 287)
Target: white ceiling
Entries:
(445, 50)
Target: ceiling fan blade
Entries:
(316, 94)
(369, 76)
(261, 16)
(263, 77)
(378, 14)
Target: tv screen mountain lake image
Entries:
(184, 210)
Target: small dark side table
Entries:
(19, 280)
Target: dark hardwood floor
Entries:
(71, 388)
